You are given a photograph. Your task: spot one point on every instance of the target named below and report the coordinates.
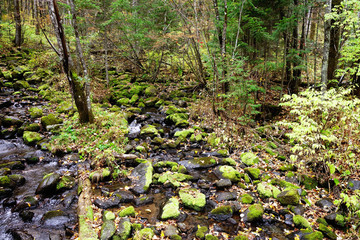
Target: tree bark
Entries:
(76, 85)
(17, 18)
(325, 62)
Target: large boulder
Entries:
(289, 197)
(142, 177)
(50, 119)
(31, 138)
(48, 184)
(254, 213)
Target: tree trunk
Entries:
(76, 85)
(295, 80)
(225, 85)
(334, 48)
(325, 62)
(17, 19)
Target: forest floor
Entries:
(161, 165)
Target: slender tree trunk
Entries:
(325, 61)
(106, 61)
(295, 80)
(217, 16)
(17, 18)
(238, 29)
(76, 85)
(225, 85)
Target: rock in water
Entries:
(48, 184)
(142, 177)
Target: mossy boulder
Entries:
(254, 213)
(184, 133)
(170, 209)
(213, 140)
(172, 109)
(197, 163)
(221, 213)
(124, 229)
(127, 212)
(151, 91)
(21, 84)
(48, 184)
(149, 130)
(192, 198)
(336, 219)
(66, 182)
(174, 179)
(308, 182)
(246, 199)
(249, 158)
(327, 231)
(32, 127)
(228, 172)
(134, 99)
(201, 231)
(135, 90)
(108, 229)
(6, 182)
(266, 190)
(32, 138)
(196, 138)
(254, 173)
(9, 121)
(228, 161)
(313, 236)
(144, 234)
(142, 177)
(64, 107)
(301, 222)
(50, 119)
(123, 102)
(35, 112)
(179, 119)
(151, 101)
(289, 197)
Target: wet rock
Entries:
(68, 199)
(48, 184)
(29, 202)
(199, 163)
(289, 197)
(66, 182)
(124, 229)
(126, 212)
(31, 138)
(20, 234)
(254, 213)
(26, 215)
(170, 209)
(108, 229)
(9, 202)
(249, 158)
(223, 183)
(5, 171)
(113, 201)
(18, 165)
(144, 200)
(192, 198)
(124, 196)
(17, 179)
(301, 222)
(5, 192)
(221, 213)
(142, 177)
(55, 219)
(336, 220)
(325, 203)
(226, 196)
(170, 230)
(144, 234)
(254, 173)
(50, 119)
(228, 172)
(9, 121)
(354, 184)
(298, 210)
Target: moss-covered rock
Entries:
(254, 213)
(254, 173)
(246, 198)
(9, 121)
(228, 172)
(127, 212)
(48, 184)
(179, 119)
(123, 102)
(301, 222)
(144, 234)
(151, 91)
(64, 107)
(50, 119)
(308, 182)
(196, 138)
(142, 177)
(66, 182)
(201, 231)
(221, 213)
(289, 197)
(149, 130)
(6, 182)
(21, 84)
(213, 140)
(192, 198)
(196, 163)
(266, 190)
(249, 158)
(124, 229)
(174, 179)
(99, 175)
(313, 236)
(171, 209)
(184, 133)
(32, 138)
(32, 127)
(211, 237)
(327, 231)
(108, 229)
(151, 101)
(35, 112)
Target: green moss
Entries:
(175, 237)
(33, 127)
(144, 234)
(301, 222)
(255, 212)
(151, 91)
(328, 231)
(66, 182)
(171, 209)
(85, 229)
(230, 173)
(270, 151)
(136, 226)
(313, 236)
(196, 138)
(149, 130)
(213, 140)
(266, 190)
(254, 173)
(50, 119)
(32, 137)
(226, 209)
(223, 152)
(5, 181)
(108, 215)
(163, 164)
(249, 158)
(211, 237)
(123, 102)
(192, 198)
(241, 237)
(246, 199)
(289, 197)
(134, 99)
(308, 182)
(229, 161)
(200, 233)
(35, 112)
(283, 183)
(340, 220)
(174, 178)
(148, 176)
(129, 211)
(287, 167)
(184, 133)
(179, 119)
